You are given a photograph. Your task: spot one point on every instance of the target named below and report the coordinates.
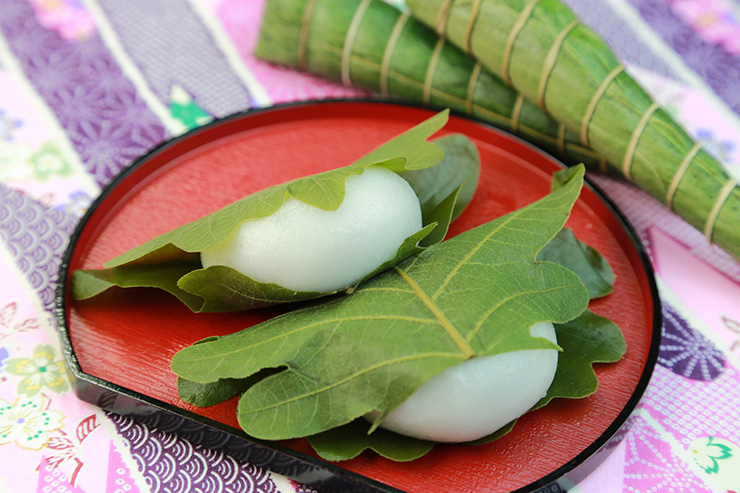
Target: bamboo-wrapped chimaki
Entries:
(540, 48)
(372, 45)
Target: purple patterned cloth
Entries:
(87, 86)
(686, 351)
(36, 237)
(713, 63)
(173, 47)
(172, 464)
(96, 104)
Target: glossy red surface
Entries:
(127, 337)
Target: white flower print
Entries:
(27, 422)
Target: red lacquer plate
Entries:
(123, 341)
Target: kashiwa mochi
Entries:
(477, 397)
(305, 248)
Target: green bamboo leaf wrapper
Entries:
(546, 53)
(372, 45)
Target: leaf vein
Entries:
(355, 375)
(298, 330)
(443, 321)
(473, 251)
(490, 312)
(396, 290)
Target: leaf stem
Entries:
(456, 337)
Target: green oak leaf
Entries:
(460, 166)
(89, 283)
(171, 261)
(500, 433)
(592, 348)
(476, 294)
(225, 289)
(593, 269)
(210, 394)
(205, 395)
(407, 151)
(348, 441)
(585, 341)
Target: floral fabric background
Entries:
(88, 85)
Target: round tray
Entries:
(124, 340)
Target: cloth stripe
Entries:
(54, 131)
(107, 122)
(704, 55)
(649, 37)
(130, 68)
(156, 34)
(257, 91)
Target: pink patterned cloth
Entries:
(715, 21)
(87, 86)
